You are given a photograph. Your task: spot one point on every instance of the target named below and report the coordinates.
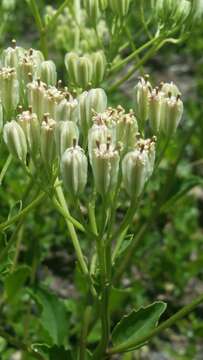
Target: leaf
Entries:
(125, 245)
(15, 281)
(185, 188)
(53, 352)
(15, 209)
(54, 316)
(137, 324)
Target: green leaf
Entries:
(15, 281)
(185, 188)
(137, 324)
(53, 352)
(54, 316)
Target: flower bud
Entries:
(172, 114)
(99, 67)
(84, 71)
(71, 61)
(36, 93)
(105, 166)
(67, 110)
(9, 89)
(123, 127)
(91, 101)
(52, 98)
(74, 170)
(31, 127)
(156, 106)
(10, 57)
(98, 133)
(103, 4)
(46, 71)
(142, 93)
(92, 9)
(66, 132)
(137, 167)
(47, 140)
(28, 64)
(169, 88)
(120, 7)
(14, 138)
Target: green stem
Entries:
(41, 28)
(132, 56)
(74, 238)
(51, 23)
(5, 168)
(84, 332)
(130, 345)
(23, 212)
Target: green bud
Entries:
(105, 166)
(98, 133)
(172, 114)
(120, 7)
(156, 107)
(169, 88)
(67, 110)
(71, 63)
(92, 9)
(14, 138)
(65, 134)
(84, 71)
(90, 102)
(10, 57)
(52, 98)
(28, 65)
(46, 71)
(99, 67)
(74, 170)
(36, 94)
(103, 4)
(9, 89)
(123, 127)
(31, 127)
(47, 141)
(137, 167)
(142, 93)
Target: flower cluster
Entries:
(59, 131)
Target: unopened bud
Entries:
(14, 138)
(36, 93)
(46, 71)
(156, 106)
(142, 93)
(99, 67)
(1, 118)
(66, 133)
(9, 89)
(97, 134)
(67, 110)
(74, 170)
(47, 141)
(91, 101)
(52, 98)
(71, 63)
(172, 114)
(92, 9)
(105, 166)
(10, 57)
(103, 4)
(31, 127)
(84, 71)
(120, 7)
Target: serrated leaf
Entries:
(54, 316)
(137, 324)
(15, 281)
